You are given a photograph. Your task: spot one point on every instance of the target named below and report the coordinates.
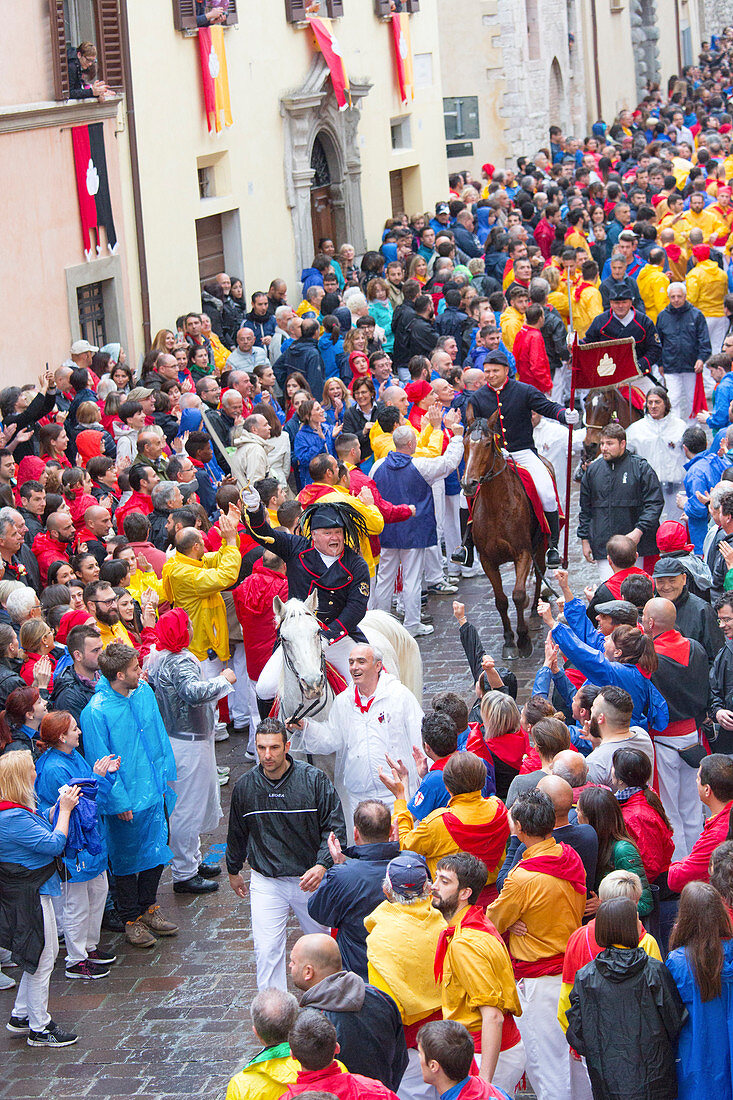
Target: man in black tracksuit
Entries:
(281, 816)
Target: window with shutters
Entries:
(75, 21)
(382, 9)
(186, 13)
(295, 10)
(334, 8)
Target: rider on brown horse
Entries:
(515, 402)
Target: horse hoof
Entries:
(509, 652)
(525, 647)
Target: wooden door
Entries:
(396, 193)
(322, 215)
(210, 247)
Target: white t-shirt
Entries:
(600, 761)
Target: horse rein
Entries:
(316, 705)
(480, 428)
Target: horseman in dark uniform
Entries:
(515, 403)
(325, 559)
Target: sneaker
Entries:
(422, 630)
(102, 956)
(222, 769)
(112, 921)
(442, 588)
(197, 884)
(51, 1036)
(223, 780)
(222, 734)
(138, 935)
(6, 982)
(86, 970)
(155, 920)
(209, 870)
(474, 570)
(18, 1025)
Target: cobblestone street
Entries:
(174, 1021)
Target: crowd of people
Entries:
(486, 889)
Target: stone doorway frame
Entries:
(307, 112)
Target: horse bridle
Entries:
(316, 705)
(482, 427)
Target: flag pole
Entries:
(568, 471)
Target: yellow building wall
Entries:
(266, 58)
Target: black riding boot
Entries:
(553, 555)
(264, 706)
(464, 554)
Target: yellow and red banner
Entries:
(215, 78)
(328, 44)
(403, 56)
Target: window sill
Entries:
(72, 112)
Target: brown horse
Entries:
(601, 407)
(504, 527)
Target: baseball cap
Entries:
(621, 610)
(627, 235)
(442, 208)
(407, 874)
(139, 393)
(668, 566)
(80, 346)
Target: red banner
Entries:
(403, 56)
(605, 364)
(329, 46)
(214, 78)
(92, 188)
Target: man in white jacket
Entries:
(376, 715)
(658, 439)
(250, 461)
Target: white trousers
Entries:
(211, 667)
(452, 529)
(717, 328)
(540, 476)
(544, 1040)
(83, 909)
(254, 714)
(510, 1066)
(412, 1086)
(198, 805)
(412, 568)
(681, 390)
(433, 565)
(604, 570)
(271, 901)
(678, 792)
(239, 701)
(32, 997)
(268, 682)
(580, 1086)
(561, 384)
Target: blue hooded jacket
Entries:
(55, 768)
(704, 1064)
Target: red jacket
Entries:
(30, 663)
(47, 550)
(137, 502)
(155, 556)
(212, 539)
(530, 354)
(78, 506)
(650, 834)
(695, 867)
(477, 1089)
(345, 1086)
(510, 747)
(253, 605)
(544, 235)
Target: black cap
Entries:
(617, 292)
(669, 566)
(326, 515)
(621, 610)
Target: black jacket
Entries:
(158, 534)
(555, 334)
(281, 829)
(303, 356)
(401, 321)
(636, 299)
(648, 344)
(516, 402)
(616, 497)
(354, 424)
(697, 620)
(39, 407)
(421, 338)
(450, 323)
(684, 336)
(10, 678)
(70, 692)
(343, 588)
(721, 680)
(368, 1026)
(33, 524)
(685, 687)
(624, 1017)
(21, 915)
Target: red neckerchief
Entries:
(357, 701)
(474, 917)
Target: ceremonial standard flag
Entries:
(403, 56)
(606, 364)
(215, 78)
(328, 44)
(92, 187)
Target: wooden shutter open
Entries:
(295, 11)
(184, 15)
(411, 5)
(334, 8)
(382, 8)
(232, 14)
(109, 44)
(58, 49)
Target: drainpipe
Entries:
(135, 172)
(596, 68)
(678, 35)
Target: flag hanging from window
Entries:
(92, 188)
(329, 46)
(403, 56)
(215, 78)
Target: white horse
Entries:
(304, 690)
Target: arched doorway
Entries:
(556, 99)
(325, 189)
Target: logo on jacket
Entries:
(623, 479)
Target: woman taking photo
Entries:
(501, 741)
(360, 416)
(85, 893)
(616, 850)
(625, 1013)
(701, 965)
(28, 840)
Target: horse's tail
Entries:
(406, 649)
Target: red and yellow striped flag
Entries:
(328, 44)
(215, 78)
(403, 56)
